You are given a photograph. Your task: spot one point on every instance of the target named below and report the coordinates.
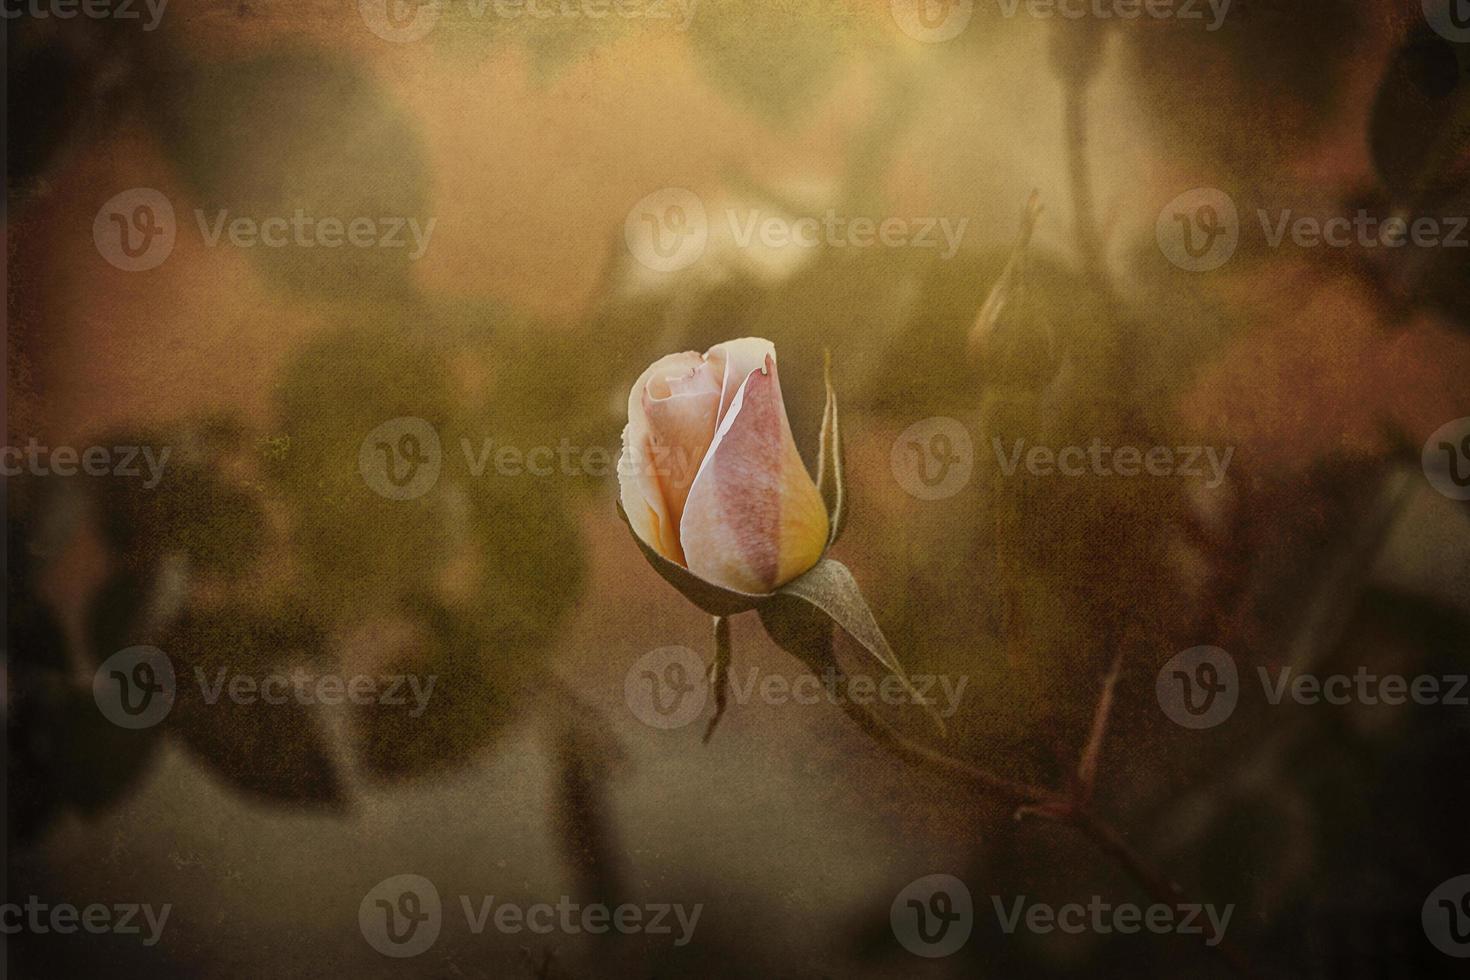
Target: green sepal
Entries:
(830, 589)
(831, 483)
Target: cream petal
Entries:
(736, 360)
(641, 493)
(681, 425)
(754, 519)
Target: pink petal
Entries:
(754, 519)
(734, 361)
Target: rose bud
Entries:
(710, 475)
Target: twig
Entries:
(1087, 768)
(1068, 809)
(1153, 881)
(1018, 793)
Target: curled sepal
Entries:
(830, 481)
(1008, 289)
(830, 589)
(711, 598)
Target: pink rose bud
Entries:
(710, 475)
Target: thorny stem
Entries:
(1076, 58)
(1160, 887)
(1069, 809)
(1019, 793)
(1077, 61)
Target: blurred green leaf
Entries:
(297, 130)
(777, 57)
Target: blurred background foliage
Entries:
(263, 549)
